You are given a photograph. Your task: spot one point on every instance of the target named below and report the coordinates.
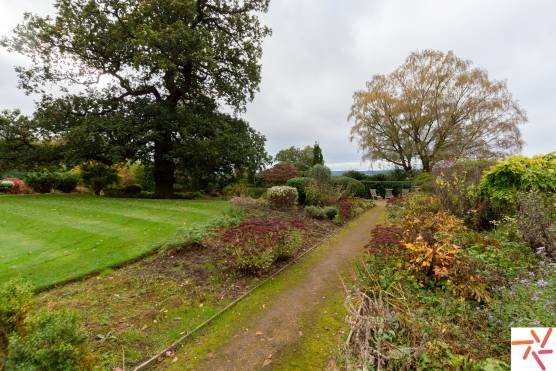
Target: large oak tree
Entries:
(435, 106)
(133, 64)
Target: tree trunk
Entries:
(426, 165)
(164, 167)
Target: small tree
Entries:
(302, 158)
(321, 174)
(280, 173)
(318, 158)
(98, 176)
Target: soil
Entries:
(280, 325)
(144, 306)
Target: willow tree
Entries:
(435, 106)
(152, 55)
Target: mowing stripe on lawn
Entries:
(54, 238)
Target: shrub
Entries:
(98, 176)
(321, 174)
(280, 173)
(282, 197)
(348, 186)
(255, 192)
(235, 189)
(503, 181)
(143, 175)
(413, 205)
(315, 212)
(434, 258)
(15, 302)
(255, 244)
(132, 189)
(428, 225)
(534, 221)
(290, 244)
(331, 212)
(381, 187)
(18, 186)
(6, 186)
(386, 240)
(51, 342)
(457, 187)
(66, 182)
(320, 194)
(41, 182)
(300, 184)
(345, 208)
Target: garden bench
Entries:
(374, 195)
(405, 191)
(388, 193)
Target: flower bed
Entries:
(435, 295)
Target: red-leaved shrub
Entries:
(19, 186)
(344, 207)
(386, 240)
(280, 173)
(255, 244)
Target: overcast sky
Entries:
(321, 51)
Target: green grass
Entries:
(49, 239)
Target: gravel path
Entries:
(279, 325)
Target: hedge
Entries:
(381, 187)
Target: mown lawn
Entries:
(49, 239)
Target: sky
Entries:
(322, 51)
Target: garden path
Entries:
(273, 327)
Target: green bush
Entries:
(282, 197)
(66, 182)
(290, 245)
(321, 174)
(50, 342)
(143, 175)
(300, 184)
(41, 182)
(235, 189)
(315, 212)
(320, 194)
(381, 187)
(133, 189)
(352, 186)
(15, 301)
(5, 186)
(503, 181)
(98, 176)
(331, 212)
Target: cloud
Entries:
(322, 51)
